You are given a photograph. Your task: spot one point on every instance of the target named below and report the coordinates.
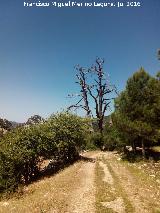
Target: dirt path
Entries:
(99, 183)
(70, 191)
(143, 197)
(83, 197)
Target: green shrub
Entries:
(19, 157)
(112, 138)
(109, 143)
(70, 131)
(90, 143)
(96, 139)
(59, 138)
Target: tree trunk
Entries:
(133, 147)
(143, 150)
(100, 125)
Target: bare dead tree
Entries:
(81, 80)
(98, 90)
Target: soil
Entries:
(73, 190)
(143, 197)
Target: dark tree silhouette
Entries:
(5, 124)
(158, 54)
(81, 77)
(94, 85)
(34, 120)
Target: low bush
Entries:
(60, 138)
(96, 139)
(90, 143)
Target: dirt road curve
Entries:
(99, 183)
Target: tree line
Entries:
(136, 119)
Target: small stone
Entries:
(158, 181)
(5, 204)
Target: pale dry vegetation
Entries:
(99, 182)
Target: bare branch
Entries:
(75, 105)
(98, 89)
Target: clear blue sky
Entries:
(40, 46)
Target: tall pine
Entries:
(137, 110)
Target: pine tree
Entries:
(137, 111)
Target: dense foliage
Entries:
(60, 138)
(137, 111)
(5, 124)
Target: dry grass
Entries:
(50, 194)
(46, 195)
(107, 193)
(156, 148)
(132, 184)
(120, 190)
(103, 191)
(143, 178)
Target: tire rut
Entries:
(138, 195)
(83, 197)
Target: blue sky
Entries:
(40, 46)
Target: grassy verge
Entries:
(145, 172)
(128, 206)
(46, 195)
(146, 178)
(107, 193)
(103, 191)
